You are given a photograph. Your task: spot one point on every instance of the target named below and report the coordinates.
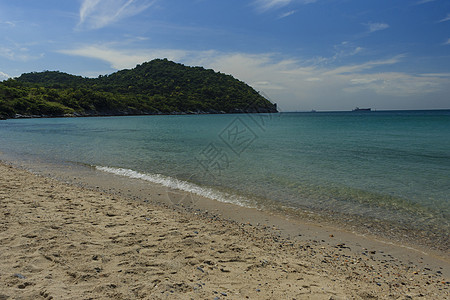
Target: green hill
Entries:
(156, 87)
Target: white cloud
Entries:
(95, 14)
(424, 1)
(266, 85)
(435, 75)
(265, 5)
(8, 23)
(447, 18)
(396, 84)
(347, 69)
(343, 50)
(357, 50)
(377, 27)
(313, 79)
(3, 76)
(87, 8)
(447, 42)
(18, 53)
(123, 59)
(287, 14)
(364, 80)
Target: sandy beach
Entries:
(61, 241)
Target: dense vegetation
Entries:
(155, 87)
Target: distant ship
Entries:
(362, 109)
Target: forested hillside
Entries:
(156, 87)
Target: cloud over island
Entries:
(288, 78)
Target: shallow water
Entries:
(387, 166)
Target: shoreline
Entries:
(91, 177)
(134, 114)
(303, 226)
(330, 250)
(209, 112)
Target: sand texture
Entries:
(59, 241)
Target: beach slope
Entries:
(59, 241)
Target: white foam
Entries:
(181, 185)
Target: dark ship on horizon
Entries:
(362, 109)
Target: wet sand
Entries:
(105, 238)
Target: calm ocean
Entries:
(389, 166)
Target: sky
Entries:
(301, 54)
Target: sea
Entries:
(383, 172)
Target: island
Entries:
(156, 87)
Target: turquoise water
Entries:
(392, 166)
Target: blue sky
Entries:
(302, 54)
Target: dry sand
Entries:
(59, 241)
